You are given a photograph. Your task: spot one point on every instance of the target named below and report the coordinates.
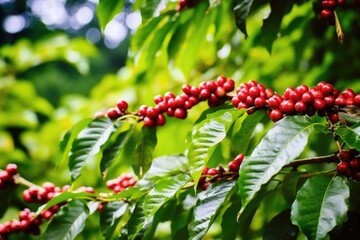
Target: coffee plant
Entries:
(259, 161)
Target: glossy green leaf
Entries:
(207, 208)
(107, 9)
(241, 10)
(214, 3)
(282, 144)
(244, 128)
(350, 135)
(144, 151)
(87, 144)
(280, 227)
(229, 226)
(137, 220)
(320, 205)
(111, 153)
(110, 216)
(167, 166)
(206, 135)
(70, 221)
(64, 197)
(132, 193)
(163, 191)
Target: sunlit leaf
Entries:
(88, 143)
(350, 135)
(110, 216)
(107, 9)
(206, 135)
(144, 151)
(320, 205)
(70, 221)
(137, 220)
(282, 144)
(207, 208)
(162, 192)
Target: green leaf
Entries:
(88, 144)
(214, 3)
(162, 192)
(320, 205)
(151, 8)
(107, 9)
(282, 144)
(111, 153)
(289, 186)
(167, 166)
(144, 150)
(207, 208)
(245, 127)
(229, 226)
(241, 10)
(110, 216)
(131, 193)
(350, 135)
(206, 135)
(137, 220)
(64, 197)
(69, 137)
(280, 227)
(271, 26)
(70, 221)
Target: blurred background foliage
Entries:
(57, 67)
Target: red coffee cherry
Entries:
(122, 105)
(276, 115)
(343, 167)
(326, 14)
(345, 156)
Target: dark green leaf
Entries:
(244, 128)
(110, 216)
(87, 145)
(144, 150)
(291, 135)
(241, 10)
(281, 228)
(111, 153)
(289, 186)
(70, 221)
(162, 192)
(207, 208)
(167, 166)
(229, 226)
(271, 26)
(107, 9)
(320, 205)
(206, 135)
(350, 135)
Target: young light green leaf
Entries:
(163, 191)
(206, 135)
(241, 10)
(63, 197)
(144, 150)
(282, 144)
(107, 9)
(320, 205)
(70, 221)
(167, 166)
(110, 216)
(350, 135)
(88, 143)
(207, 208)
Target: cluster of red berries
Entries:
(42, 194)
(7, 176)
(349, 165)
(186, 3)
(323, 99)
(211, 175)
(327, 13)
(121, 183)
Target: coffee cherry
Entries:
(319, 104)
(300, 107)
(276, 115)
(287, 107)
(355, 164)
(122, 105)
(343, 167)
(12, 169)
(326, 14)
(345, 156)
(180, 113)
(260, 102)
